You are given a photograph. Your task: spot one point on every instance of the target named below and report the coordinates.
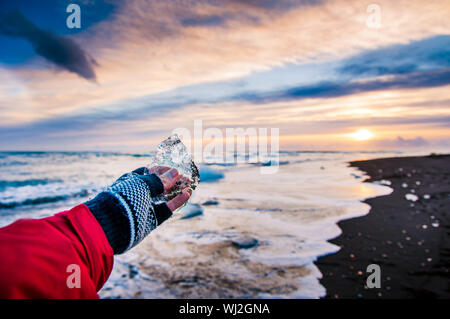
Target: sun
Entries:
(362, 135)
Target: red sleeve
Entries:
(38, 257)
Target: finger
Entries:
(179, 200)
(158, 170)
(183, 182)
(169, 178)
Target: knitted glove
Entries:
(130, 209)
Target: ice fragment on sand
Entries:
(192, 210)
(383, 182)
(245, 242)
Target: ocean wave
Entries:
(273, 163)
(223, 164)
(13, 163)
(28, 182)
(43, 200)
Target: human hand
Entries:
(134, 205)
(170, 177)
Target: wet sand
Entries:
(408, 239)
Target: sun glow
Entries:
(362, 135)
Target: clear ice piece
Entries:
(173, 153)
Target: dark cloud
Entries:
(282, 5)
(204, 20)
(423, 79)
(373, 69)
(425, 54)
(248, 15)
(59, 50)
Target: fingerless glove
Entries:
(130, 209)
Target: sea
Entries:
(243, 234)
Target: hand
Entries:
(169, 177)
(133, 205)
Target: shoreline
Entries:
(408, 238)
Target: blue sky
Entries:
(137, 70)
(47, 15)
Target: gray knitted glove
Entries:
(130, 209)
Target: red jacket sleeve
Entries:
(51, 257)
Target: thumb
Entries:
(179, 200)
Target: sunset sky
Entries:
(136, 70)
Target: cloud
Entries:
(280, 5)
(426, 54)
(203, 20)
(424, 79)
(368, 69)
(145, 49)
(61, 51)
(401, 142)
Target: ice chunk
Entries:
(173, 153)
(383, 182)
(411, 197)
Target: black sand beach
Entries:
(408, 239)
